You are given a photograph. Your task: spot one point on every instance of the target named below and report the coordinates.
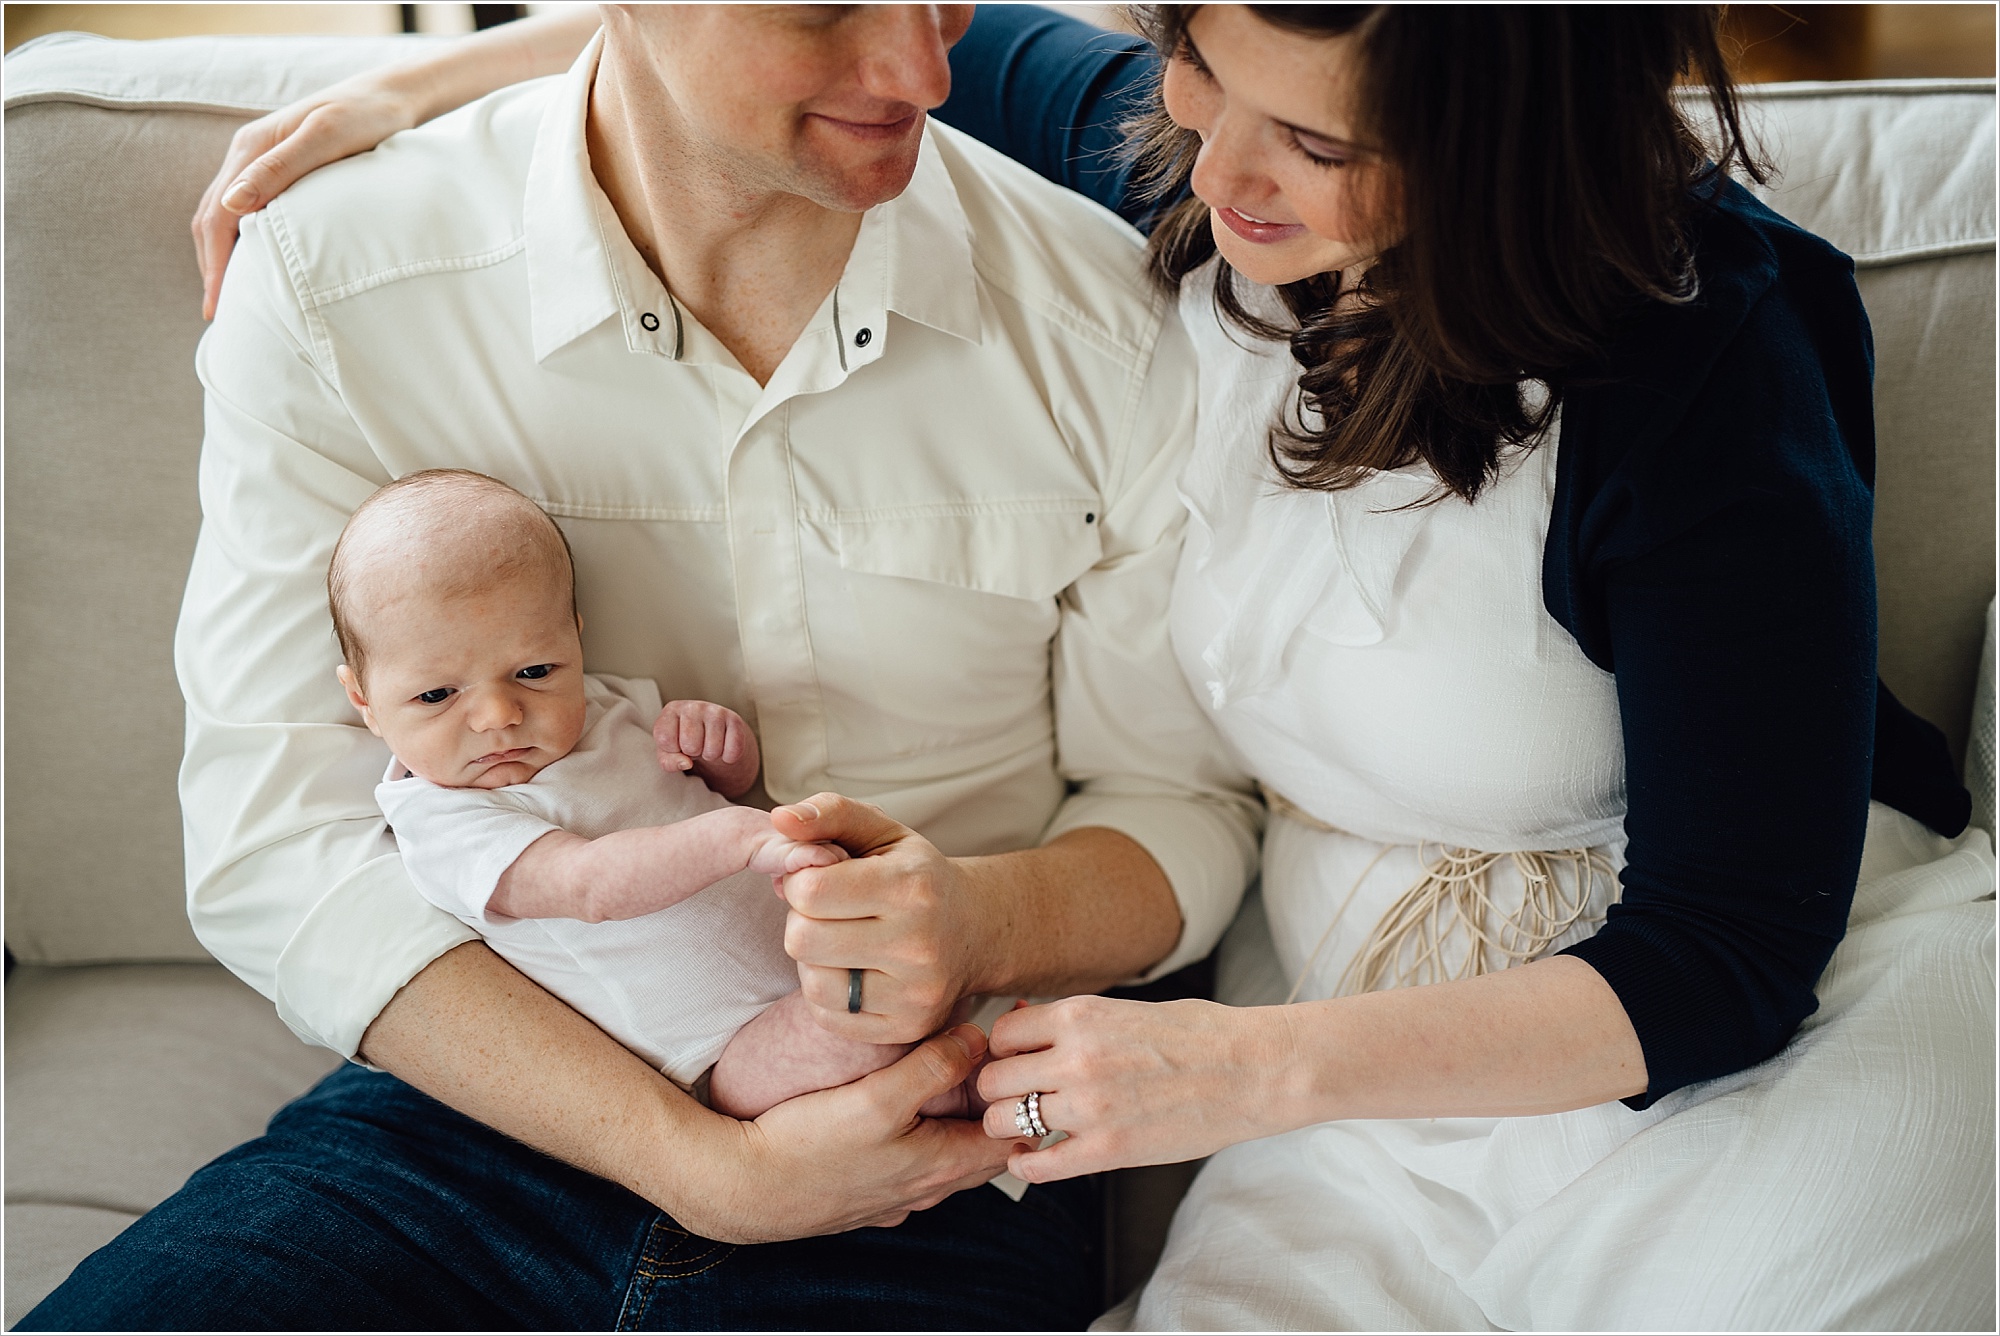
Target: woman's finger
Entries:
(1071, 1157)
(1026, 1030)
(1010, 1078)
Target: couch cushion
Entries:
(108, 147)
(44, 1244)
(1900, 175)
(121, 1081)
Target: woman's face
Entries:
(1292, 189)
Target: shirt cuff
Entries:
(1208, 851)
(366, 938)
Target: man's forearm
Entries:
(475, 1034)
(1081, 913)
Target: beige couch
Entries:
(131, 1057)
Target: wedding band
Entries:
(1028, 1115)
(854, 992)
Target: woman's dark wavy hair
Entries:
(1547, 181)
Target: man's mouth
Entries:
(879, 131)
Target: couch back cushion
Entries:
(109, 146)
(1900, 176)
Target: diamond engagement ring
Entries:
(1028, 1115)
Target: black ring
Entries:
(854, 992)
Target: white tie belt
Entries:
(1446, 925)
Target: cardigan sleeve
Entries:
(1051, 92)
(1743, 646)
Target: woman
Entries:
(1528, 557)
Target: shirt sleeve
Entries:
(1052, 92)
(458, 843)
(293, 879)
(1744, 652)
(1138, 752)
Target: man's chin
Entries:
(855, 183)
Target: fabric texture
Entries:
(673, 986)
(368, 1206)
(121, 1081)
(960, 633)
(108, 147)
(1979, 751)
(1846, 1184)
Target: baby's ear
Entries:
(352, 685)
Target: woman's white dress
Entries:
(1391, 673)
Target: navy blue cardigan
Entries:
(1709, 547)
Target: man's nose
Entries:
(907, 52)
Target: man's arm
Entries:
(641, 871)
(473, 1033)
(1144, 863)
(296, 885)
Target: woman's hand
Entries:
(272, 152)
(1134, 1082)
(853, 1157)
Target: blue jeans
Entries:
(367, 1205)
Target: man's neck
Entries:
(751, 265)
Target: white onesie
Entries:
(671, 986)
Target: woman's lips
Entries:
(1256, 229)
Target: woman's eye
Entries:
(537, 673)
(1322, 156)
(435, 695)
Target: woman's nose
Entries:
(1229, 169)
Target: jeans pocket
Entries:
(671, 1257)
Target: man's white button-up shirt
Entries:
(929, 560)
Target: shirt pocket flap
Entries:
(1033, 552)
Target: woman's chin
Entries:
(1275, 263)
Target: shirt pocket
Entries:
(1024, 550)
(944, 619)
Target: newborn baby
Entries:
(528, 798)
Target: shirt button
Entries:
(862, 335)
(649, 322)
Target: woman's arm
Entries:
(1155, 1083)
(1051, 92)
(475, 1034)
(270, 153)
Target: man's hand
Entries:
(853, 1157)
(711, 740)
(899, 910)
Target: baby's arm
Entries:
(711, 740)
(784, 1052)
(632, 872)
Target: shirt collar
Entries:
(913, 255)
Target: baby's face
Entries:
(477, 691)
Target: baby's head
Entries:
(454, 598)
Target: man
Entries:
(854, 427)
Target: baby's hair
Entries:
(432, 499)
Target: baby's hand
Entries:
(778, 857)
(712, 741)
